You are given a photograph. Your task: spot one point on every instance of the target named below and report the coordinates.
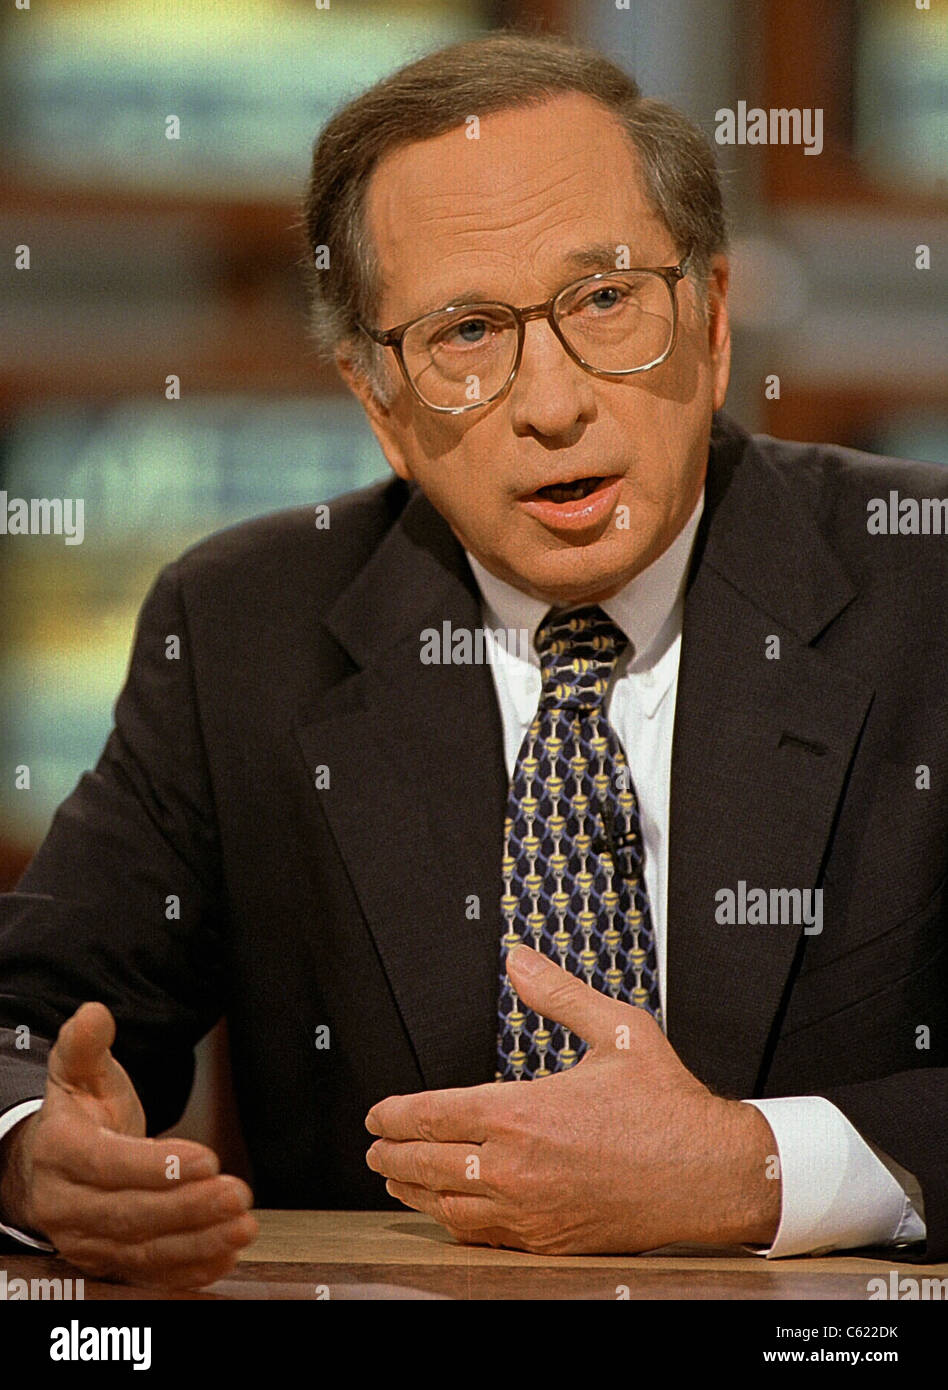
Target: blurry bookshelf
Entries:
(152, 256)
(900, 111)
(859, 345)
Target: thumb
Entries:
(557, 994)
(80, 1058)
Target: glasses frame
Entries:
(394, 337)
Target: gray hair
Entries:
(433, 95)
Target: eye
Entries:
(604, 297)
(473, 332)
(600, 298)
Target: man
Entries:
(696, 788)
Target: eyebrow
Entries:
(599, 255)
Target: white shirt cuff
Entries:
(7, 1120)
(837, 1194)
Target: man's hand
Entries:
(627, 1151)
(81, 1173)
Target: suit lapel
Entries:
(418, 793)
(760, 756)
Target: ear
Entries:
(719, 328)
(381, 417)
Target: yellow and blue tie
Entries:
(573, 857)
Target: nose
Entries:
(552, 396)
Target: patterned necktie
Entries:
(573, 856)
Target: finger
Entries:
(556, 994)
(163, 1259)
(131, 1217)
(79, 1058)
(92, 1156)
(461, 1115)
(439, 1167)
(196, 1276)
(452, 1209)
(491, 1235)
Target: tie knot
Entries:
(578, 652)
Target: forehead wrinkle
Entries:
(493, 209)
(463, 223)
(475, 175)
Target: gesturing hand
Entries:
(80, 1172)
(627, 1151)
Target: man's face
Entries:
(502, 215)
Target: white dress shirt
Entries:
(838, 1192)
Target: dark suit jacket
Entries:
(346, 906)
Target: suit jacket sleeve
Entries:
(122, 901)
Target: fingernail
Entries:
(237, 1193)
(529, 962)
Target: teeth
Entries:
(570, 492)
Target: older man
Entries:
(672, 854)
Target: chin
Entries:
(573, 574)
(579, 587)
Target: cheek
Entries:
(659, 464)
(468, 495)
(459, 472)
(462, 486)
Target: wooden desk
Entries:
(395, 1255)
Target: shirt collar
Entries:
(642, 609)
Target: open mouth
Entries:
(580, 505)
(569, 492)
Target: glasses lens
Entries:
(619, 322)
(458, 357)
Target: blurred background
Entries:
(151, 256)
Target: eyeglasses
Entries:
(612, 324)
